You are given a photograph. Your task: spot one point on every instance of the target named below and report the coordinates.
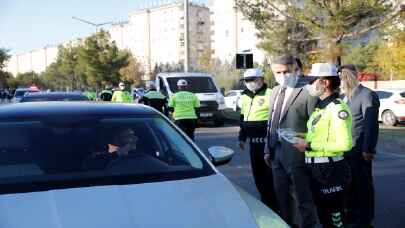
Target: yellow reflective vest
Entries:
(256, 108)
(330, 130)
(121, 97)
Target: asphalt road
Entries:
(389, 171)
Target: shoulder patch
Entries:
(343, 114)
(261, 102)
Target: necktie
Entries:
(275, 121)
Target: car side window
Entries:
(384, 94)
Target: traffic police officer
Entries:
(254, 116)
(121, 95)
(106, 95)
(185, 106)
(154, 98)
(329, 136)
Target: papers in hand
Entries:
(288, 135)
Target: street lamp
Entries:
(91, 23)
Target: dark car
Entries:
(54, 96)
(119, 165)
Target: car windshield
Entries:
(195, 84)
(20, 93)
(54, 153)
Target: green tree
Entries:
(26, 79)
(4, 76)
(328, 23)
(101, 60)
(390, 57)
(362, 56)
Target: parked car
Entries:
(54, 96)
(81, 164)
(232, 99)
(20, 92)
(392, 106)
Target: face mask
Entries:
(313, 91)
(253, 86)
(288, 80)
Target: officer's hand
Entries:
(301, 145)
(267, 159)
(241, 145)
(368, 156)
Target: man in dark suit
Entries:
(290, 107)
(364, 104)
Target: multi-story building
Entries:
(156, 35)
(34, 61)
(232, 33)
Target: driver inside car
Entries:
(121, 141)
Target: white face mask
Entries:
(313, 91)
(253, 86)
(288, 80)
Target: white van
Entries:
(203, 86)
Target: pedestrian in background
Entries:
(254, 115)
(364, 104)
(290, 108)
(106, 94)
(154, 99)
(329, 137)
(185, 106)
(121, 95)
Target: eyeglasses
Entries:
(249, 79)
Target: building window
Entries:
(241, 29)
(226, 33)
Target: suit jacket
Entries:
(295, 115)
(365, 105)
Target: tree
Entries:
(133, 72)
(25, 80)
(102, 60)
(390, 57)
(4, 56)
(329, 23)
(362, 56)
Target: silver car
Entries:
(113, 165)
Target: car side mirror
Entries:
(222, 91)
(220, 155)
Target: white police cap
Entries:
(323, 70)
(182, 82)
(253, 73)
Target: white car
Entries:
(233, 99)
(90, 165)
(392, 106)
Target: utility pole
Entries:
(186, 37)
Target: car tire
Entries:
(389, 118)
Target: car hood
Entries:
(206, 202)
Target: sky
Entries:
(26, 25)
